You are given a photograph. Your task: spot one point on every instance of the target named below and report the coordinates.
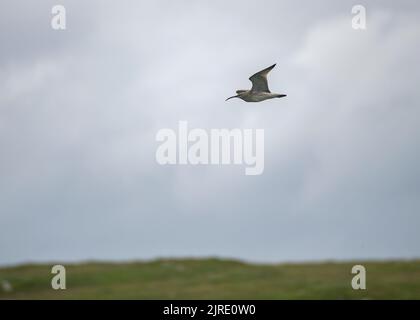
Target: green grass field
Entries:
(213, 279)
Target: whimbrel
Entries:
(259, 91)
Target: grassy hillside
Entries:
(213, 279)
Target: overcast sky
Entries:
(80, 108)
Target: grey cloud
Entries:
(79, 111)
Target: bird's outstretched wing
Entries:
(259, 80)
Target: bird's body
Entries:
(250, 96)
(259, 91)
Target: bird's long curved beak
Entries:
(231, 97)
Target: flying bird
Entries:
(259, 91)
